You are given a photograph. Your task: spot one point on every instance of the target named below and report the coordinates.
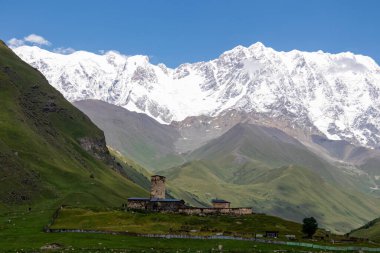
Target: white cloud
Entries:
(31, 39)
(64, 50)
(15, 42)
(36, 39)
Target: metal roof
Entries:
(155, 199)
(136, 198)
(165, 200)
(219, 201)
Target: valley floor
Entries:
(22, 231)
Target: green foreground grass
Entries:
(22, 231)
(163, 223)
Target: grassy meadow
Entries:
(163, 223)
(22, 231)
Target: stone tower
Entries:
(157, 188)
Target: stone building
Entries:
(157, 200)
(220, 203)
(148, 204)
(216, 211)
(159, 203)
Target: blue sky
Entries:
(175, 32)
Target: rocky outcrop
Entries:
(98, 149)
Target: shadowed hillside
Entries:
(49, 150)
(135, 135)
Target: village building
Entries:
(148, 204)
(159, 203)
(220, 203)
(157, 200)
(271, 234)
(290, 237)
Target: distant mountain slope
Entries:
(267, 146)
(275, 173)
(345, 151)
(170, 145)
(135, 135)
(50, 152)
(340, 92)
(370, 231)
(363, 161)
(290, 192)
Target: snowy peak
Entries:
(336, 94)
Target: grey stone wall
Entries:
(164, 206)
(180, 207)
(206, 211)
(138, 204)
(221, 205)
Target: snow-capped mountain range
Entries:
(337, 94)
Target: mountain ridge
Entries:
(340, 91)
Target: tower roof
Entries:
(219, 201)
(138, 198)
(158, 176)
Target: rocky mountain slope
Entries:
(336, 95)
(50, 152)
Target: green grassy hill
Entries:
(274, 173)
(50, 152)
(289, 192)
(370, 231)
(161, 223)
(266, 147)
(134, 171)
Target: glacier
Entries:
(337, 94)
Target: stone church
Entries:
(159, 202)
